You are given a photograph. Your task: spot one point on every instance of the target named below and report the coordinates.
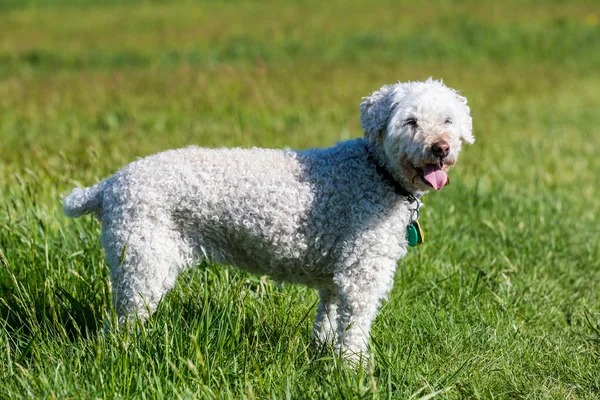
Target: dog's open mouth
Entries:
(434, 175)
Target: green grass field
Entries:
(503, 300)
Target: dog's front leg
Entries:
(325, 326)
(360, 291)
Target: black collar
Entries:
(388, 178)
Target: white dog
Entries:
(333, 219)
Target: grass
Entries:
(502, 301)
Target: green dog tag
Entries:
(414, 234)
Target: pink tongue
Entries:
(435, 175)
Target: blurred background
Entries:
(132, 78)
(513, 249)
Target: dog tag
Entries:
(414, 234)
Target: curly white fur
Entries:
(322, 217)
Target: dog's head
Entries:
(416, 129)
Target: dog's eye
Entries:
(410, 122)
(448, 121)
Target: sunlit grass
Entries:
(501, 302)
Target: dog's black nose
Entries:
(441, 148)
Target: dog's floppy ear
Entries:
(466, 122)
(375, 111)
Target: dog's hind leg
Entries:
(145, 262)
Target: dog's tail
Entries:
(84, 201)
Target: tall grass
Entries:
(503, 299)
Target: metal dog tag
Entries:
(414, 234)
